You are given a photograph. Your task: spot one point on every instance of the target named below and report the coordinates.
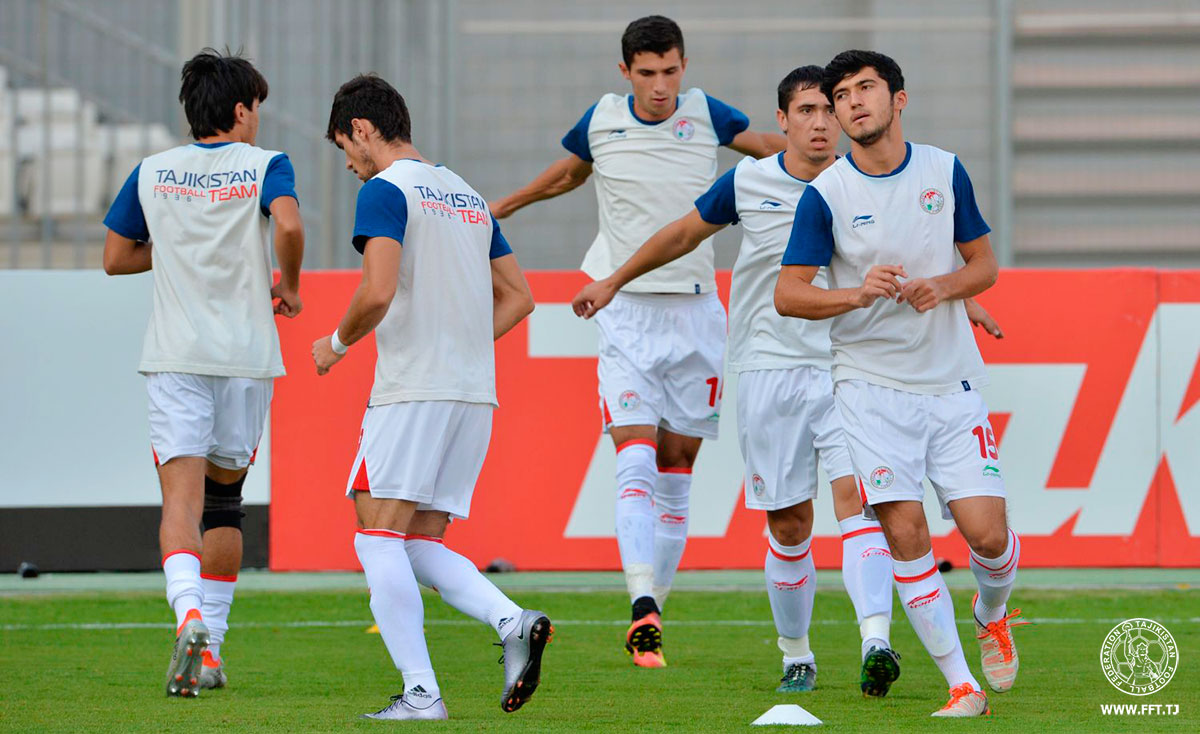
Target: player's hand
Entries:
(882, 281)
(923, 294)
(498, 209)
(323, 355)
(593, 297)
(980, 317)
(287, 301)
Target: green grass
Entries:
(720, 676)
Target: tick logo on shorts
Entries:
(758, 484)
(684, 129)
(932, 201)
(791, 585)
(629, 400)
(882, 477)
(924, 599)
(862, 220)
(991, 472)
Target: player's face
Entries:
(865, 106)
(656, 80)
(357, 158)
(810, 125)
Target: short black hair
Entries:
(654, 33)
(799, 79)
(212, 85)
(369, 97)
(849, 63)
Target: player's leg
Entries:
(791, 588)
(181, 415)
(672, 498)
(220, 562)
(964, 468)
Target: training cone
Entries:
(788, 714)
(373, 629)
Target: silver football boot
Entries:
(183, 674)
(412, 705)
(523, 658)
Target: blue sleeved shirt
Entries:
(811, 241)
(727, 121)
(499, 246)
(718, 205)
(125, 216)
(968, 222)
(381, 211)
(576, 139)
(279, 180)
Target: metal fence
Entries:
(1079, 120)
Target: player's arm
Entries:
(667, 244)
(563, 175)
(370, 303)
(289, 252)
(758, 144)
(123, 256)
(981, 318)
(512, 300)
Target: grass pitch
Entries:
(302, 661)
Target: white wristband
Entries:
(336, 344)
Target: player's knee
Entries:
(990, 543)
(223, 504)
(789, 527)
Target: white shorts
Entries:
(661, 362)
(219, 418)
(898, 438)
(786, 421)
(428, 452)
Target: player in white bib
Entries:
(663, 339)
(891, 220)
(199, 216)
(439, 285)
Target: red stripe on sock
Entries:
(430, 538)
(674, 470)
(636, 442)
(1012, 556)
(218, 577)
(914, 579)
(382, 533)
(175, 552)
(783, 557)
(861, 531)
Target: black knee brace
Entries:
(223, 504)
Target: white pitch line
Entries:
(302, 624)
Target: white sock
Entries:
(791, 586)
(670, 528)
(927, 602)
(396, 605)
(460, 583)
(184, 591)
(995, 577)
(218, 598)
(867, 576)
(637, 472)
(796, 650)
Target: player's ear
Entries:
(683, 65)
(782, 119)
(624, 69)
(900, 100)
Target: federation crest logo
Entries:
(882, 477)
(630, 400)
(1139, 657)
(758, 484)
(932, 201)
(684, 129)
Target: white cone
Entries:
(788, 713)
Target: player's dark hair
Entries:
(368, 97)
(849, 63)
(213, 84)
(797, 80)
(654, 33)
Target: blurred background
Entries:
(1079, 120)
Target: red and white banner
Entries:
(1094, 402)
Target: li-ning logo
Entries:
(876, 553)
(991, 472)
(769, 205)
(672, 519)
(633, 492)
(790, 585)
(617, 135)
(924, 599)
(862, 220)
